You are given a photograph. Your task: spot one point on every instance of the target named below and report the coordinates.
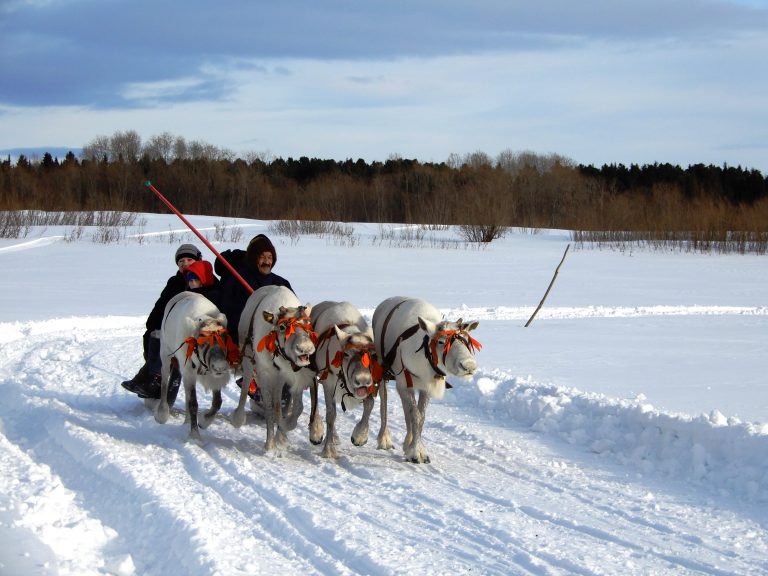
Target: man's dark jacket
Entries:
(233, 294)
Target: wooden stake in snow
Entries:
(548, 288)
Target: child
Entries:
(200, 279)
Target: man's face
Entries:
(183, 263)
(264, 262)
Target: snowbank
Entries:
(712, 451)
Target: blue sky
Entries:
(598, 81)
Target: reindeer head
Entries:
(356, 362)
(450, 347)
(292, 335)
(213, 345)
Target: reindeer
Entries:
(345, 359)
(418, 349)
(194, 340)
(276, 340)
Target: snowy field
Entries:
(624, 432)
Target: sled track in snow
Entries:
(497, 498)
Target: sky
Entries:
(625, 431)
(597, 81)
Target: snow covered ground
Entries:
(624, 432)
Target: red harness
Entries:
(432, 356)
(292, 323)
(367, 359)
(450, 336)
(219, 337)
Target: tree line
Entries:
(513, 189)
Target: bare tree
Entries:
(199, 150)
(180, 151)
(161, 146)
(478, 159)
(265, 156)
(125, 145)
(515, 162)
(97, 149)
(454, 161)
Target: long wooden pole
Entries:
(548, 288)
(203, 239)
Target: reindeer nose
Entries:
(469, 365)
(306, 348)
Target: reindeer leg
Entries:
(190, 389)
(384, 439)
(421, 414)
(295, 407)
(281, 423)
(214, 409)
(163, 410)
(276, 403)
(329, 449)
(315, 420)
(410, 412)
(360, 432)
(238, 416)
(271, 413)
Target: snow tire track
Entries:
(497, 499)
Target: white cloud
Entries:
(595, 102)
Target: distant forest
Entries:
(521, 189)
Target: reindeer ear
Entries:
(221, 319)
(269, 317)
(340, 334)
(308, 309)
(467, 326)
(427, 326)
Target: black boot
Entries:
(142, 377)
(149, 389)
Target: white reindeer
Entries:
(345, 360)
(277, 340)
(418, 349)
(194, 340)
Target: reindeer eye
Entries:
(282, 327)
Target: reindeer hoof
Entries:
(237, 418)
(418, 459)
(162, 413)
(385, 442)
(359, 441)
(331, 454)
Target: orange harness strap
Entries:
(220, 338)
